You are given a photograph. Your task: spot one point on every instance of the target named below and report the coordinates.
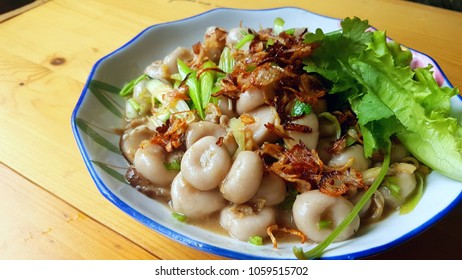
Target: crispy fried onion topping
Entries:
(298, 165)
(171, 134)
(273, 228)
(273, 61)
(303, 167)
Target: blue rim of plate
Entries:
(188, 241)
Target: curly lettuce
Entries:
(388, 96)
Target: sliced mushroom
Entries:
(131, 139)
(144, 186)
(376, 209)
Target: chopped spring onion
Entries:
(328, 116)
(163, 113)
(278, 25)
(134, 104)
(194, 87)
(300, 109)
(237, 129)
(317, 251)
(174, 165)
(289, 200)
(128, 88)
(247, 38)
(256, 240)
(227, 61)
(412, 201)
(164, 106)
(352, 136)
(350, 141)
(322, 224)
(270, 42)
(155, 122)
(391, 184)
(207, 82)
(158, 90)
(179, 217)
(132, 109)
(176, 79)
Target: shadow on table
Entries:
(11, 8)
(10, 5)
(455, 5)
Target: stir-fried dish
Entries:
(288, 132)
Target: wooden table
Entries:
(50, 207)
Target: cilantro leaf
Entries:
(335, 49)
(314, 37)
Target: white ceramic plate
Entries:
(99, 112)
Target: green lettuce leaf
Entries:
(388, 97)
(419, 105)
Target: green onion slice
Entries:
(227, 61)
(390, 183)
(278, 25)
(289, 200)
(207, 82)
(322, 224)
(134, 104)
(412, 201)
(174, 165)
(300, 109)
(192, 82)
(247, 38)
(237, 129)
(270, 42)
(128, 88)
(179, 217)
(256, 240)
(328, 116)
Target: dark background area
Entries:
(9, 5)
(455, 5)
